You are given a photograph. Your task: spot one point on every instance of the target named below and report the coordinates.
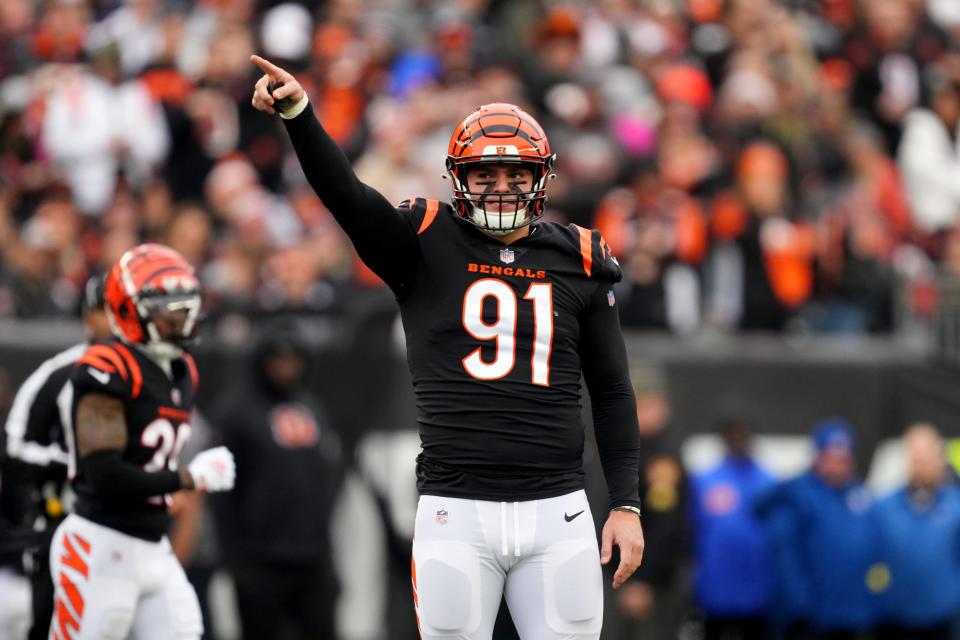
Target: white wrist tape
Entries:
(296, 109)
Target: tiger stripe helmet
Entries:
(149, 281)
(499, 133)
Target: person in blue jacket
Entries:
(825, 542)
(920, 534)
(733, 580)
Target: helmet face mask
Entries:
(153, 299)
(172, 318)
(489, 206)
(499, 134)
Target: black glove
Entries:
(279, 105)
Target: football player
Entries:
(501, 312)
(113, 570)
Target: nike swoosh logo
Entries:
(569, 518)
(100, 376)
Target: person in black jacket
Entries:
(274, 527)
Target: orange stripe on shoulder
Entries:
(95, 361)
(111, 356)
(192, 367)
(586, 248)
(134, 366)
(432, 207)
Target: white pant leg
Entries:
(555, 591)
(457, 576)
(168, 607)
(95, 581)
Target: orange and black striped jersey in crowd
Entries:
(497, 337)
(157, 410)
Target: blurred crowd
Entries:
(755, 164)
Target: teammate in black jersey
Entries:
(502, 313)
(112, 566)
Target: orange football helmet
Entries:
(152, 297)
(499, 133)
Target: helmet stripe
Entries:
(497, 141)
(163, 270)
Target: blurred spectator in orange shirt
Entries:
(761, 269)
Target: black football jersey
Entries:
(493, 348)
(497, 338)
(157, 408)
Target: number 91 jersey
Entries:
(157, 410)
(493, 336)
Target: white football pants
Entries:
(112, 586)
(541, 555)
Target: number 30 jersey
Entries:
(493, 344)
(157, 410)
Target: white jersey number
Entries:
(169, 442)
(504, 330)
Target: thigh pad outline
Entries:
(573, 587)
(448, 587)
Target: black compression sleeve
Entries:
(382, 238)
(603, 358)
(113, 477)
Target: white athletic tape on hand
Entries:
(296, 109)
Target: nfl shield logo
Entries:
(611, 300)
(442, 516)
(506, 256)
(175, 396)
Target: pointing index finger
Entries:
(268, 67)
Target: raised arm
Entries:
(603, 358)
(382, 238)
